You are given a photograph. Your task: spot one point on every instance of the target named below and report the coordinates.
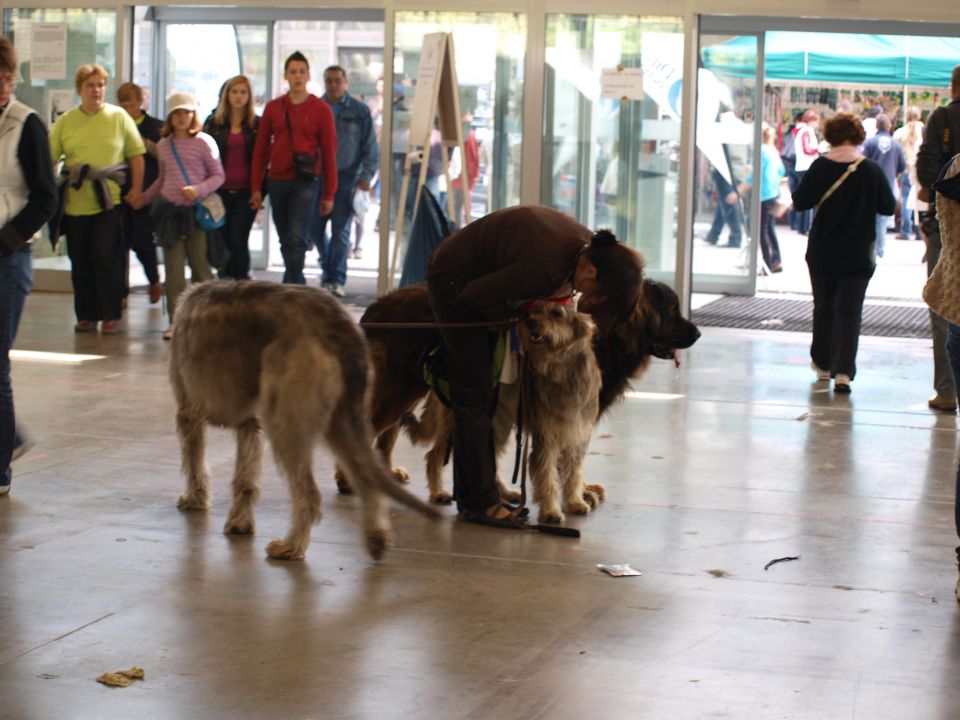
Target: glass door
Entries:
(198, 57)
(726, 213)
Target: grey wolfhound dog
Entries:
(288, 359)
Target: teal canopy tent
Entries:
(839, 57)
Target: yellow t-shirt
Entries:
(106, 138)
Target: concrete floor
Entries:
(711, 471)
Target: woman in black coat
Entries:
(234, 127)
(137, 224)
(848, 191)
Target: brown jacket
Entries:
(511, 255)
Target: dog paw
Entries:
(551, 515)
(599, 493)
(377, 543)
(282, 550)
(401, 475)
(238, 527)
(193, 502)
(343, 486)
(441, 498)
(578, 506)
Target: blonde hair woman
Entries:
(233, 126)
(910, 137)
(95, 141)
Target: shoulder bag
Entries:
(304, 164)
(851, 168)
(210, 213)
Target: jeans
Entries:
(837, 312)
(236, 233)
(96, 264)
(906, 216)
(334, 249)
(16, 279)
(294, 203)
(725, 214)
(803, 218)
(953, 352)
(883, 222)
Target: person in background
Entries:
(137, 224)
(190, 170)
(98, 143)
(805, 146)
(233, 126)
(909, 138)
(942, 291)
(357, 163)
(788, 155)
(886, 152)
(848, 191)
(941, 142)
(869, 121)
(302, 124)
(771, 170)
(29, 195)
(726, 213)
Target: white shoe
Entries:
(821, 374)
(841, 383)
(336, 289)
(168, 333)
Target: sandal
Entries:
(515, 519)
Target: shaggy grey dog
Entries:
(290, 360)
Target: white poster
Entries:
(48, 52)
(621, 83)
(58, 102)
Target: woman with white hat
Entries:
(190, 170)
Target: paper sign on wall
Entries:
(58, 102)
(48, 51)
(619, 83)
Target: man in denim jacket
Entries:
(357, 163)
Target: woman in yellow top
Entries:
(98, 143)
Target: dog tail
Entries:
(364, 466)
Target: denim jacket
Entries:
(357, 155)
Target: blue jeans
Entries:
(953, 352)
(881, 232)
(334, 249)
(16, 279)
(906, 216)
(293, 203)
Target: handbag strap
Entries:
(851, 168)
(286, 116)
(176, 155)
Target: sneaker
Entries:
(168, 333)
(85, 326)
(841, 384)
(357, 254)
(336, 289)
(821, 374)
(777, 268)
(942, 402)
(110, 327)
(156, 290)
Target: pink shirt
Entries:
(235, 163)
(200, 157)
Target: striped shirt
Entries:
(200, 157)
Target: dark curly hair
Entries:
(620, 277)
(844, 128)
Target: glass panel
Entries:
(91, 37)
(724, 259)
(614, 162)
(489, 53)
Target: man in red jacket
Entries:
(296, 131)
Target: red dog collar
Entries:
(559, 300)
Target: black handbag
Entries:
(304, 164)
(218, 255)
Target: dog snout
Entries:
(533, 325)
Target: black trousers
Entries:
(769, 246)
(138, 236)
(837, 310)
(96, 264)
(236, 233)
(469, 360)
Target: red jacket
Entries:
(314, 133)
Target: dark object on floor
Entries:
(780, 560)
